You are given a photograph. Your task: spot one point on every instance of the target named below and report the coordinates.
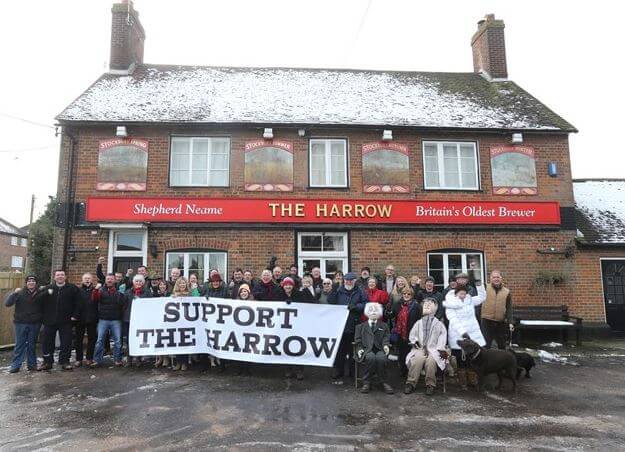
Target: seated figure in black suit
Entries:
(372, 340)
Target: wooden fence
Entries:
(8, 283)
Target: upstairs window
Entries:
(450, 165)
(328, 163)
(199, 162)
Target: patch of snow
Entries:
(552, 344)
(603, 204)
(545, 322)
(551, 357)
(305, 96)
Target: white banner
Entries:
(255, 331)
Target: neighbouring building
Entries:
(13, 247)
(600, 217)
(221, 167)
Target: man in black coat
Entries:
(88, 322)
(61, 305)
(372, 339)
(27, 321)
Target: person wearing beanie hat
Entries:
(27, 321)
(244, 292)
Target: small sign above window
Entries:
(122, 164)
(385, 168)
(513, 170)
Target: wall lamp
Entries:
(387, 135)
(121, 131)
(268, 133)
(153, 250)
(517, 138)
(552, 169)
(301, 132)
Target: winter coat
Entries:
(220, 292)
(109, 302)
(437, 340)
(414, 313)
(28, 308)
(304, 296)
(461, 316)
(88, 309)
(60, 306)
(267, 292)
(355, 301)
(129, 297)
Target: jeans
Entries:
(48, 338)
(92, 336)
(115, 328)
(25, 342)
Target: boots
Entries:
(158, 362)
(472, 378)
(166, 361)
(462, 378)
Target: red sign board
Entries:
(228, 210)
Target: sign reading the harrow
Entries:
(255, 331)
(240, 210)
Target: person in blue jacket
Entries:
(354, 299)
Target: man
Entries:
(354, 299)
(460, 280)
(430, 292)
(294, 276)
(372, 339)
(326, 291)
(174, 274)
(363, 281)
(315, 273)
(215, 287)
(154, 282)
(138, 290)
(428, 338)
(388, 282)
(119, 280)
(277, 274)
(61, 304)
(237, 280)
(27, 322)
(110, 304)
(88, 322)
(266, 289)
(497, 317)
(143, 271)
(248, 278)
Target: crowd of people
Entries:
(420, 323)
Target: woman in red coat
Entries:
(374, 295)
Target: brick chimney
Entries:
(127, 37)
(489, 48)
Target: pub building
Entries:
(222, 167)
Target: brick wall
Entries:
(489, 48)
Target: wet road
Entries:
(578, 405)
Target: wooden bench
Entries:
(547, 318)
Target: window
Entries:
(128, 245)
(24, 242)
(326, 250)
(199, 161)
(444, 264)
(450, 166)
(17, 261)
(328, 163)
(14, 240)
(199, 262)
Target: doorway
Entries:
(613, 274)
(121, 264)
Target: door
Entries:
(613, 274)
(121, 264)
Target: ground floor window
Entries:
(127, 248)
(200, 262)
(443, 264)
(326, 250)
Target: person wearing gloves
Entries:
(460, 311)
(373, 340)
(110, 307)
(354, 299)
(428, 339)
(27, 321)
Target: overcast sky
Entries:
(567, 54)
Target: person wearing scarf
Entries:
(428, 339)
(404, 315)
(266, 289)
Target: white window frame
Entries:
(207, 267)
(14, 240)
(192, 141)
(441, 165)
(322, 256)
(328, 162)
(143, 254)
(465, 269)
(14, 264)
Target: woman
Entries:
(405, 314)
(162, 290)
(326, 290)
(415, 283)
(460, 311)
(338, 278)
(266, 289)
(374, 295)
(307, 292)
(181, 289)
(194, 286)
(289, 295)
(396, 296)
(136, 292)
(244, 367)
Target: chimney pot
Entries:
(489, 48)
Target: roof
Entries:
(600, 211)
(8, 228)
(195, 94)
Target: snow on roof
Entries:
(8, 228)
(600, 210)
(156, 93)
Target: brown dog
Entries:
(489, 361)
